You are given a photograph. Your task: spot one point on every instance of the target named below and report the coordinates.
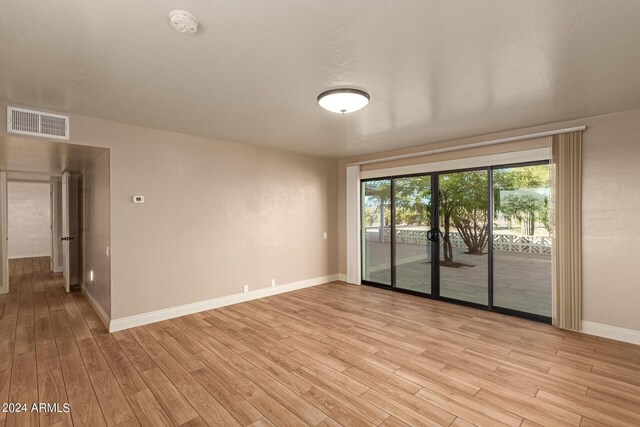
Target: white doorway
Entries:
(29, 216)
(78, 219)
(25, 211)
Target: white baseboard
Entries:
(613, 332)
(28, 256)
(97, 307)
(196, 307)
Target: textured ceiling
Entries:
(435, 69)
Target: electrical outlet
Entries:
(273, 282)
(245, 288)
(325, 235)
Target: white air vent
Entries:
(37, 123)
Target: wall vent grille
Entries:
(37, 123)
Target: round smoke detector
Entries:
(183, 21)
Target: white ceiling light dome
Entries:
(183, 21)
(343, 100)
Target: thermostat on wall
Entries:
(138, 199)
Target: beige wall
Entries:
(97, 229)
(29, 219)
(610, 211)
(216, 215)
(611, 219)
(219, 214)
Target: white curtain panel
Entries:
(353, 224)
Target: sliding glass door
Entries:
(478, 237)
(412, 221)
(464, 224)
(521, 242)
(376, 231)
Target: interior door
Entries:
(4, 255)
(66, 264)
(56, 225)
(54, 240)
(70, 230)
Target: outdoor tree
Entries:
(523, 208)
(446, 209)
(521, 195)
(463, 202)
(378, 196)
(413, 200)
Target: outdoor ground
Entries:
(521, 281)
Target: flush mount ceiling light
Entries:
(183, 21)
(343, 100)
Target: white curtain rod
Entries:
(473, 145)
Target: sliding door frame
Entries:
(490, 216)
(363, 235)
(435, 246)
(392, 231)
(498, 309)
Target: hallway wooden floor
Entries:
(329, 355)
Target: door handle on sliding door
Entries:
(433, 235)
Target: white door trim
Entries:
(4, 238)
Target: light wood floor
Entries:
(329, 355)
